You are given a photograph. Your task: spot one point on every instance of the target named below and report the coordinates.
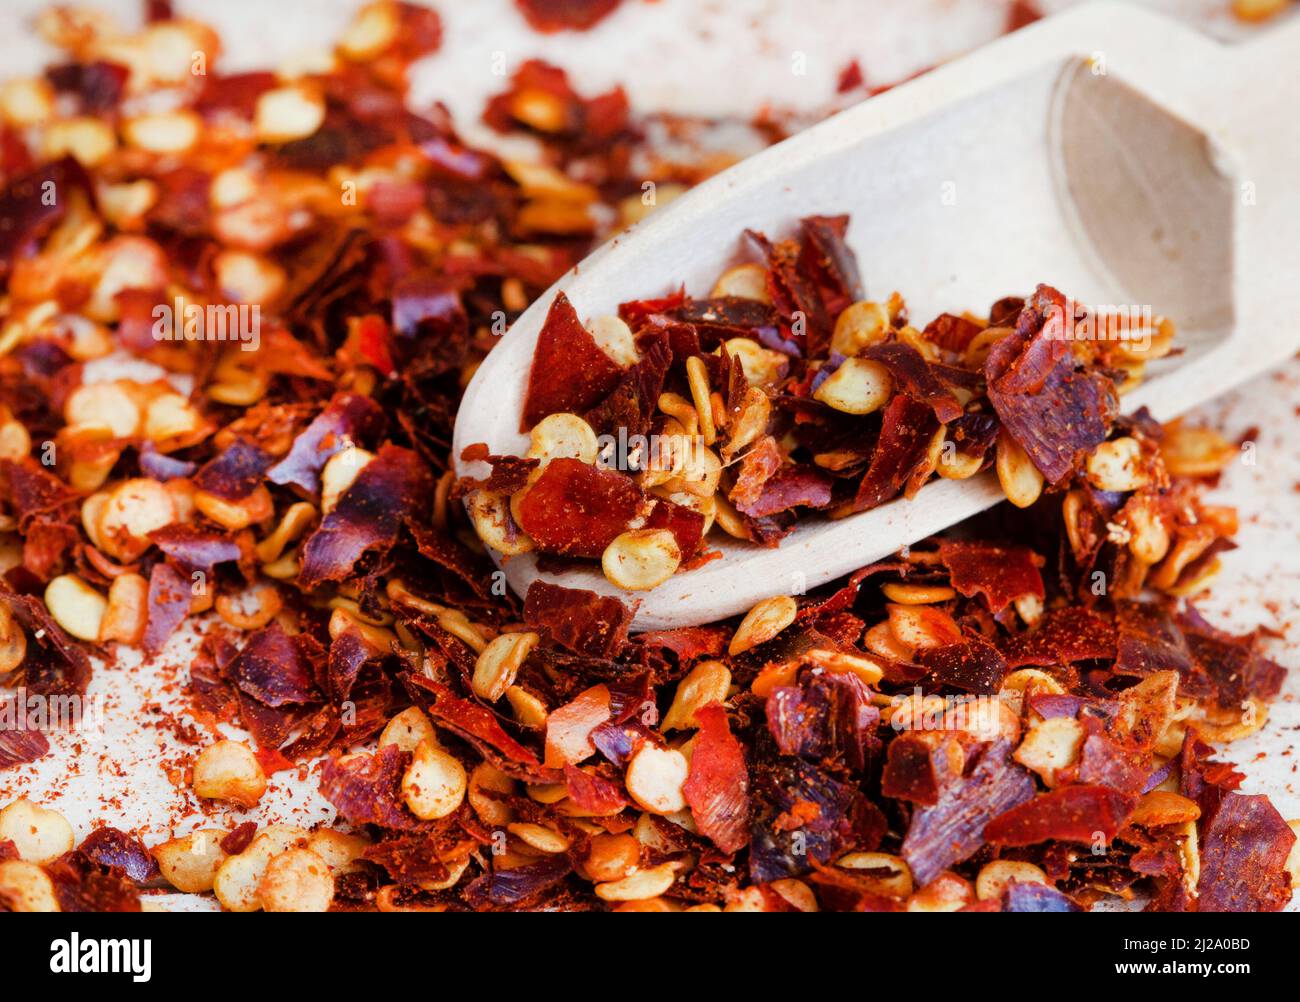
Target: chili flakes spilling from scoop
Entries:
(969, 725)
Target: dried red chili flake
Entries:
(55, 664)
(576, 510)
(480, 727)
(430, 325)
(163, 468)
(33, 489)
(757, 466)
(565, 15)
(170, 596)
(804, 816)
(790, 487)
(541, 100)
(517, 886)
(1056, 409)
(390, 491)
(1064, 636)
(916, 376)
(83, 885)
(687, 644)
(1244, 846)
(426, 855)
(1068, 814)
(239, 839)
(1028, 897)
(686, 524)
(973, 666)
(630, 409)
(19, 745)
(348, 419)
(366, 789)
(578, 620)
(234, 474)
(569, 728)
(951, 332)
(472, 569)
(1105, 762)
(907, 430)
(592, 792)
(850, 78)
(1001, 574)
(275, 668)
(1148, 640)
(1237, 670)
(717, 787)
(96, 86)
(953, 829)
(116, 850)
(194, 549)
(827, 256)
(636, 313)
(919, 764)
(825, 716)
(349, 654)
(509, 473)
(1020, 14)
(569, 372)
(28, 210)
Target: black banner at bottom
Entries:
(336, 952)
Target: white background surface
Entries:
(713, 57)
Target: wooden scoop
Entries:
(1114, 154)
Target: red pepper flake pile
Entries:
(314, 271)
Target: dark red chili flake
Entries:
(565, 15)
(509, 473)
(32, 203)
(19, 745)
(1001, 574)
(170, 595)
(825, 716)
(569, 371)
(83, 885)
(119, 851)
(628, 411)
(367, 789)
(954, 828)
(578, 620)
(576, 510)
(920, 764)
(917, 377)
(477, 725)
(805, 816)
(1021, 896)
(391, 490)
(904, 442)
(1055, 408)
(592, 792)
(239, 839)
(717, 788)
(275, 668)
(1070, 814)
(195, 549)
(97, 86)
(348, 419)
(1244, 846)
(973, 666)
(1064, 636)
(518, 885)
